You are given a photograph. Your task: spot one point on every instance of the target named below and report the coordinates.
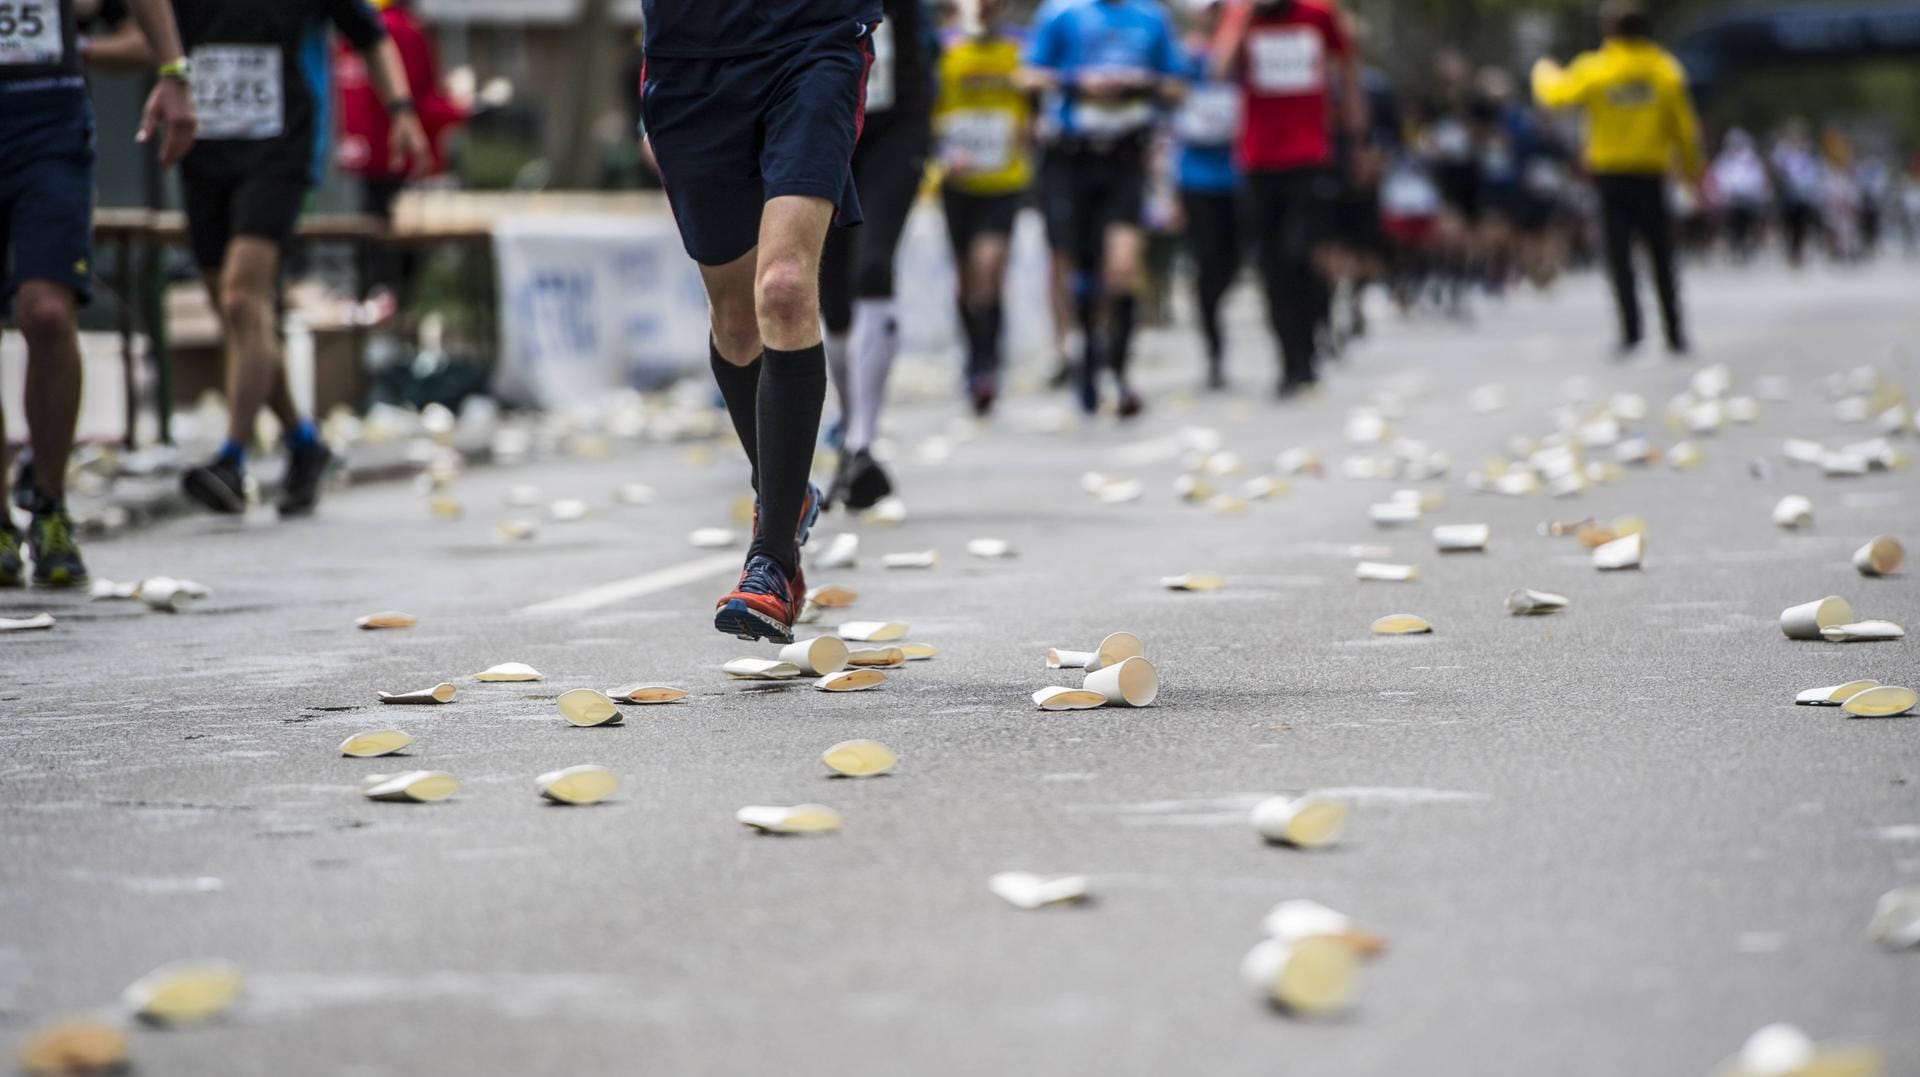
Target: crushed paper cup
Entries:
(1115, 648)
(1844, 465)
(375, 743)
(1487, 399)
(918, 652)
(1802, 451)
(1394, 513)
(1121, 491)
(508, 672)
(634, 493)
(1133, 682)
(816, 657)
(1685, 456)
(523, 496)
(34, 623)
(761, 669)
(1462, 538)
(842, 552)
(418, 786)
(107, 590)
(798, 819)
(1313, 977)
(851, 680)
(1880, 701)
(1712, 382)
(1299, 460)
(1262, 487)
(1401, 624)
(586, 707)
(872, 631)
(1222, 464)
(876, 658)
(445, 508)
(713, 538)
(859, 758)
(1806, 620)
(913, 559)
(439, 693)
(1376, 570)
(584, 784)
(515, 530)
(1227, 505)
(1305, 822)
(1291, 921)
(1743, 409)
(1517, 484)
(1524, 602)
(1194, 581)
(832, 597)
(1781, 1050)
(1619, 554)
(1792, 511)
(75, 1048)
(1056, 698)
(1896, 919)
(567, 510)
(1880, 557)
(185, 992)
(1634, 451)
(1192, 489)
(989, 549)
(1862, 632)
(1833, 695)
(890, 511)
(647, 694)
(165, 594)
(388, 619)
(1024, 890)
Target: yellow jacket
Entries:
(1635, 95)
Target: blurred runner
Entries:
(46, 247)
(1055, 202)
(752, 109)
(1113, 62)
(244, 184)
(1639, 123)
(1206, 125)
(1287, 53)
(1744, 193)
(1452, 144)
(984, 122)
(1797, 177)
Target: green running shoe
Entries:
(13, 570)
(56, 557)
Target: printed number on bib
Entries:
(1105, 120)
(1210, 116)
(977, 141)
(1285, 60)
(31, 34)
(238, 92)
(880, 91)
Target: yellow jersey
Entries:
(1639, 118)
(982, 119)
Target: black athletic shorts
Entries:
(731, 132)
(221, 206)
(1053, 199)
(46, 190)
(1100, 187)
(1459, 186)
(970, 215)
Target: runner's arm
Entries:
(1042, 70)
(1559, 87)
(122, 49)
(1223, 59)
(408, 140)
(169, 107)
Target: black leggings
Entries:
(888, 164)
(1213, 238)
(1286, 211)
(1635, 206)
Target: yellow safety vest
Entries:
(1639, 118)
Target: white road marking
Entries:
(647, 583)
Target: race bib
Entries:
(239, 92)
(1409, 193)
(32, 34)
(1285, 60)
(1110, 119)
(880, 89)
(1210, 116)
(1451, 140)
(977, 140)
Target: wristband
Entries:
(179, 68)
(400, 106)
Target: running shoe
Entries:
(13, 568)
(56, 557)
(860, 483)
(1291, 388)
(1130, 404)
(218, 485)
(981, 393)
(763, 604)
(809, 515)
(306, 469)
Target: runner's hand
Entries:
(170, 111)
(408, 142)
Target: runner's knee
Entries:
(244, 308)
(785, 293)
(45, 314)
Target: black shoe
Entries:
(1626, 348)
(219, 486)
(1130, 405)
(1677, 348)
(23, 484)
(56, 557)
(1216, 376)
(866, 481)
(306, 469)
(1294, 387)
(13, 565)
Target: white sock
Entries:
(876, 340)
(836, 348)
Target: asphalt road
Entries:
(1603, 842)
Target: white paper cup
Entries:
(1881, 557)
(1132, 683)
(1793, 511)
(818, 656)
(1807, 619)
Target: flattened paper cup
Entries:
(648, 694)
(1116, 647)
(585, 784)
(375, 743)
(798, 819)
(1883, 701)
(1880, 557)
(989, 549)
(832, 597)
(1317, 976)
(515, 530)
(37, 623)
(185, 992)
(1807, 619)
(1376, 570)
(761, 669)
(1194, 581)
(1462, 538)
(859, 758)
(1896, 919)
(1132, 683)
(507, 672)
(1291, 921)
(568, 510)
(872, 631)
(1862, 632)
(918, 652)
(912, 559)
(1793, 511)
(818, 656)
(842, 552)
(1024, 890)
(877, 657)
(1401, 624)
(1394, 513)
(1304, 822)
(1833, 695)
(387, 619)
(439, 693)
(1056, 698)
(1621, 553)
(851, 680)
(418, 786)
(586, 707)
(1523, 603)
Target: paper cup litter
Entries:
(1376, 570)
(1291, 921)
(1194, 581)
(1401, 624)
(585, 784)
(647, 694)
(387, 619)
(1056, 698)
(798, 819)
(375, 743)
(1793, 511)
(877, 657)
(439, 693)
(816, 657)
(37, 623)
(1524, 603)
(1880, 557)
(851, 680)
(1305, 822)
(1806, 620)
(418, 786)
(990, 549)
(586, 707)
(890, 511)
(713, 538)
(1620, 554)
(1833, 695)
(1896, 919)
(1132, 683)
(859, 758)
(919, 652)
(1024, 890)
(832, 596)
(1862, 632)
(872, 631)
(761, 669)
(1462, 538)
(75, 1048)
(1882, 701)
(1316, 976)
(1115, 648)
(508, 672)
(912, 559)
(185, 993)
(842, 552)
(1394, 513)
(515, 530)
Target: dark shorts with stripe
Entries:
(731, 132)
(46, 190)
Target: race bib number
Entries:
(977, 141)
(1286, 60)
(1210, 116)
(880, 89)
(239, 92)
(32, 34)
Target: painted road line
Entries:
(647, 583)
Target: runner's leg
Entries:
(254, 359)
(734, 349)
(793, 375)
(44, 312)
(887, 174)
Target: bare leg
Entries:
(793, 230)
(254, 362)
(46, 313)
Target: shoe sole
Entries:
(61, 582)
(213, 495)
(741, 621)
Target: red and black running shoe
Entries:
(764, 604)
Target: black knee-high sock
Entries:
(793, 387)
(1120, 312)
(1086, 304)
(970, 325)
(740, 388)
(992, 319)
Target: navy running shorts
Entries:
(46, 190)
(731, 132)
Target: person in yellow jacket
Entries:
(1640, 125)
(983, 121)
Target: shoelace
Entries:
(763, 577)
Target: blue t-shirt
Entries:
(1205, 126)
(1132, 37)
(746, 27)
